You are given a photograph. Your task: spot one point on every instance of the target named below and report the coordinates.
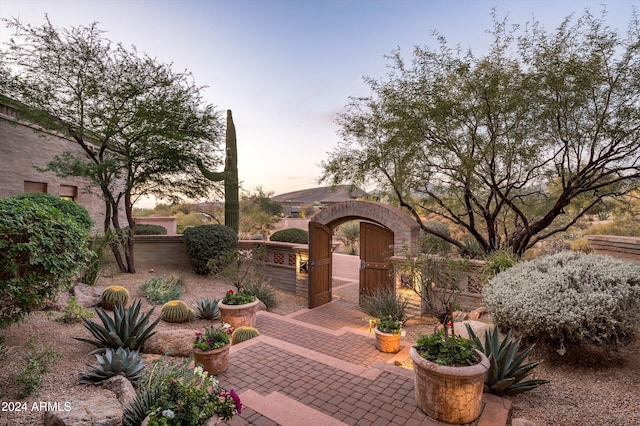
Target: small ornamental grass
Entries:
(569, 297)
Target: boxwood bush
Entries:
(208, 246)
(41, 250)
(291, 235)
(568, 297)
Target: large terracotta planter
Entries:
(215, 361)
(449, 394)
(387, 342)
(239, 315)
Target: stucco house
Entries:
(295, 202)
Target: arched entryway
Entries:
(387, 231)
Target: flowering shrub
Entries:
(238, 298)
(213, 338)
(192, 400)
(569, 297)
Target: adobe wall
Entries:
(626, 248)
(23, 147)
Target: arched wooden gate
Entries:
(385, 231)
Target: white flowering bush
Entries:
(568, 297)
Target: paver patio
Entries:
(298, 373)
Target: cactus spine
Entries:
(176, 311)
(114, 295)
(229, 176)
(243, 333)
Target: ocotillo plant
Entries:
(229, 176)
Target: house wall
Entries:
(23, 147)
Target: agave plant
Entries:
(136, 411)
(121, 361)
(124, 330)
(207, 309)
(506, 371)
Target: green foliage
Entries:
(207, 309)
(433, 244)
(160, 290)
(238, 298)
(568, 297)
(452, 351)
(149, 229)
(291, 235)
(136, 411)
(506, 371)
(125, 329)
(97, 247)
(499, 261)
(114, 362)
(114, 295)
(131, 133)
(41, 250)
(259, 213)
(262, 291)
(75, 211)
(349, 234)
(389, 325)
(213, 338)
(176, 311)
(208, 247)
(384, 303)
(243, 333)
(472, 138)
(74, 312)
(38, 362)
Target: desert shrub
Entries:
(499, 261)
(624, 226)
(160, 290)
(41, 250)
(38, 361)
(149, 229)
(262, 291)
(473, 246)
(78, 213)
(208, 246)
(582, 245)
(74, 312)
(291, 235)
(569, 297)
(433, 244)
(383, 303)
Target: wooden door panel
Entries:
(319, 264)
(376, 249)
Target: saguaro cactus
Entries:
(229, 176)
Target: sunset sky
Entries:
(287, 67)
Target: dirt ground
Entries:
(590, 390)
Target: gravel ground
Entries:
(592, 390)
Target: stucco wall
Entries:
(23, 147)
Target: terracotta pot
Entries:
(449, 394)
(239, 315)
(387, 342)
(215, 361)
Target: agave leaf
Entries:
(525, 370)
(518, 388)
(136, 411)
(474, 338)
(501, 385)
(491, 375)
(515, 365)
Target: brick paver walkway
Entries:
(297, 368)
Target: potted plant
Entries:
(192, 397)
(388, 332)
(239, 308)
(449, 371)
(211, 349)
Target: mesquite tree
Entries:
(512, 146)
(229, 176)
(141, 125)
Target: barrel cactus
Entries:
(243, 333)
(177, 311)
(114, 295)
